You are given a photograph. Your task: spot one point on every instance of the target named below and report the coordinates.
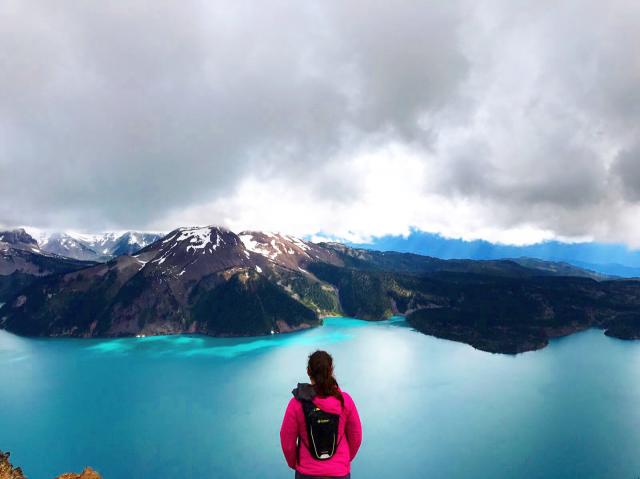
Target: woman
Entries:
(330, 406)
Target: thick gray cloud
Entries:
(511, 121)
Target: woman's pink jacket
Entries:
(294, 428)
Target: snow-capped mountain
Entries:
(131, 242)
(94, 247)
(66, 245)
(208, 280)
(195, 251)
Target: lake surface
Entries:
(198, 407)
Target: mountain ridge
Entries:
(93, 247)
(210, 280)
(606, 258)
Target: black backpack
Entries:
(322, 430)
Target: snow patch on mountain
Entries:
(260, 248)
(199, 239)
(298, 242)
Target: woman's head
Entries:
(320, 371)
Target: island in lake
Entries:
(212, 281)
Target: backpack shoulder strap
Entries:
(307, 406)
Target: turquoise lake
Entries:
(198, 407)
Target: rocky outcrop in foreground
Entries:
(88, 473)
(7, 471)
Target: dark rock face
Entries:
(18, 238)
(212, 281)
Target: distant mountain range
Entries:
(212, 281)
(605, 258)
(95, 247)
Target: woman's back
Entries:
(293, 433)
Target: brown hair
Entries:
(320, 370)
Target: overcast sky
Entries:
(512, 121)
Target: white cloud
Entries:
(507, 121)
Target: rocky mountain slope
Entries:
(22, 262)
(212, 281)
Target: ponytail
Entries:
(320, 369)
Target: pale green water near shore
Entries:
(198, 407)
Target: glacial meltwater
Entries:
(199, 407)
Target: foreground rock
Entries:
(88, 473)
(7, 471)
